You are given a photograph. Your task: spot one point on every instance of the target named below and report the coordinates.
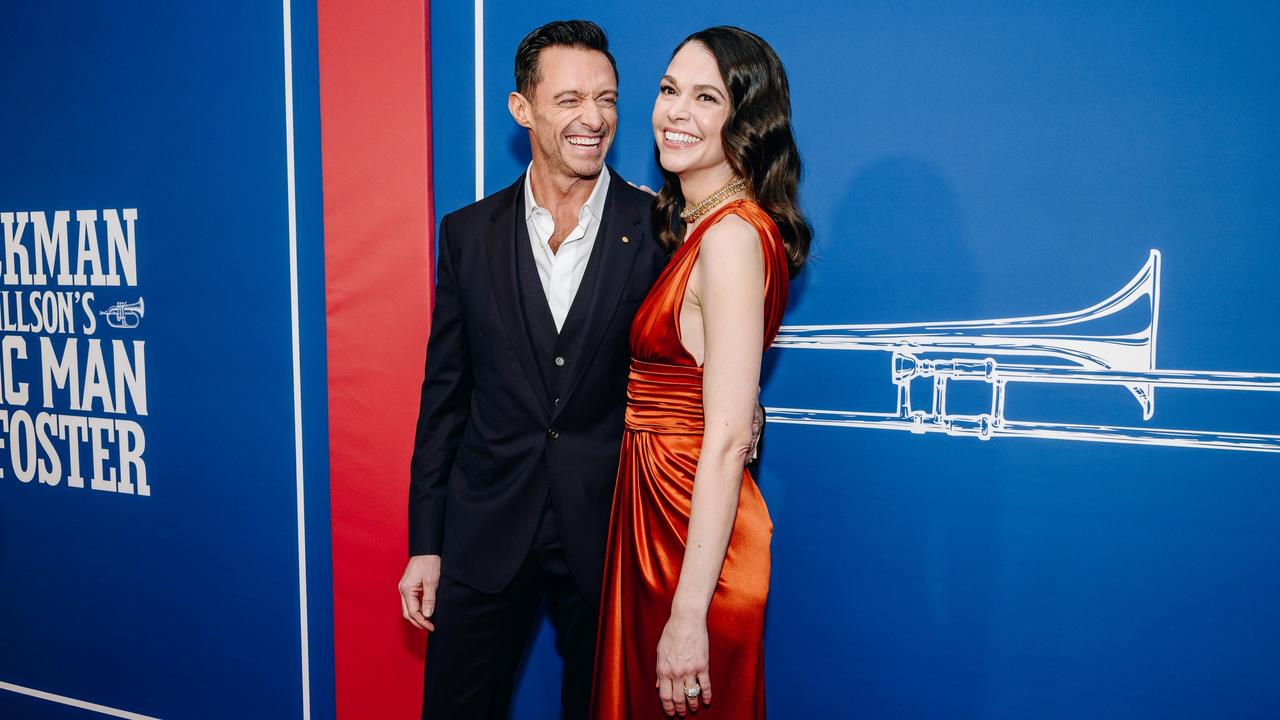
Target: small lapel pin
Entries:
(626, 239)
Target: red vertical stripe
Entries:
(375, 124)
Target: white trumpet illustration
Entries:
(124, 315)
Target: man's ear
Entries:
(520, 109)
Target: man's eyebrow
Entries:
(581, 94)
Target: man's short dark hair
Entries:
(582, 34)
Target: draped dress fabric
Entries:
(660, 447)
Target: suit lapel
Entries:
(617, 244)
(500, 242)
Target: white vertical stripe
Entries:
(297, 363)
(479, 81)
(63, 699)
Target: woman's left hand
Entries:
(682, 663)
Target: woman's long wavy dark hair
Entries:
(757, 138)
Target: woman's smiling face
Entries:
(690, 112)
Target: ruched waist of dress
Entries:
(664, 398)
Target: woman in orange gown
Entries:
(687, 570)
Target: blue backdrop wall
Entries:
(182, 596)
(971, 162)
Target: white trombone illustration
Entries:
(1055, 349)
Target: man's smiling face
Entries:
(573, 112)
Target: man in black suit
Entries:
(522, 405)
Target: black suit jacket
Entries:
(500, 426)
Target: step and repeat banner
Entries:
(1021, 448)
(160, 285)
(1021, 455)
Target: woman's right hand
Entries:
(683, 658)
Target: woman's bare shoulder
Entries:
(730, 254)
(731, 234)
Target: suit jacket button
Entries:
(559, 361)
(553, 433)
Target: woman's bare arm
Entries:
(727, 286)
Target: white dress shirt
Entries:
(561, 271)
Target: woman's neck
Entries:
(696, 185)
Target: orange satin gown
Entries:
(651, 507)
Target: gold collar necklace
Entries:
(692, 214)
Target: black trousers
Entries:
(473, 655)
